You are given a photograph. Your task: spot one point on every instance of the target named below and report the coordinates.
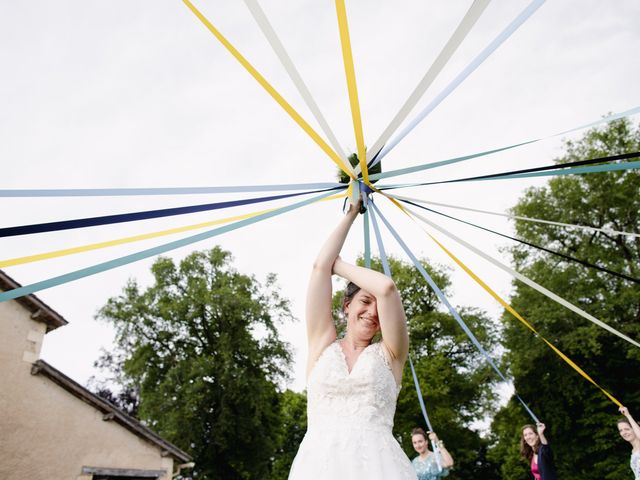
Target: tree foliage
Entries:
(200, 346)
(580, 420)
(456, 382)
(294, 426)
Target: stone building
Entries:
(52, 427)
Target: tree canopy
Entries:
(581, 421)
(201, 347)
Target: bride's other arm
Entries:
(320, 328)
(393, 322)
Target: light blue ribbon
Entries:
(387, 271)
(113, 192)
(450, 307)
(383, 253)
(434, 446)
(482, 56)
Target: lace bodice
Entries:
(350, 419)
(363, 398)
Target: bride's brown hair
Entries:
(349, 292)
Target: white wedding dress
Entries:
(350, 417)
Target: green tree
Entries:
(456, 381)
(200, 346)
(580, 419)
(294, 427)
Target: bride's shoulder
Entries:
(315, 354)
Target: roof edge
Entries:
(111, 412)
(40, 311)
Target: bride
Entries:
(352, 383)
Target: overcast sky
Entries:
(139, 94)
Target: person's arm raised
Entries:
(634, 425)
(393, 322)
(447, 459)
(320, 328)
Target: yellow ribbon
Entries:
(120, 241)
(349, 69)
(271, 91)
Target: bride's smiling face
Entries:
(362, 315)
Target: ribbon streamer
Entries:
(533, 245)
(350, 73)
(440, 163)
(526, 280)
(416, 383)
(121, 241)
(450, 307)
(513, 312)
(471, 17)
(519, 217)
(117, 192)
(552, 168)
(136, 238)
(383, 253)
(268, 31)
(132, 217)
(556, 170)
(367, 241)
(475, 63)
(271, 91)
(118, 262)
(574, 171)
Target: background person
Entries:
(535, 448)
(630, 431)
(425, 464)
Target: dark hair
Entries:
(349, 292)
(623, 420)
(419, 431)
(525, 449)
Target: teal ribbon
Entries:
(367, 241)
(573, 171)
(427, 166)
(383, 253)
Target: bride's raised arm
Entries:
(320, 328)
